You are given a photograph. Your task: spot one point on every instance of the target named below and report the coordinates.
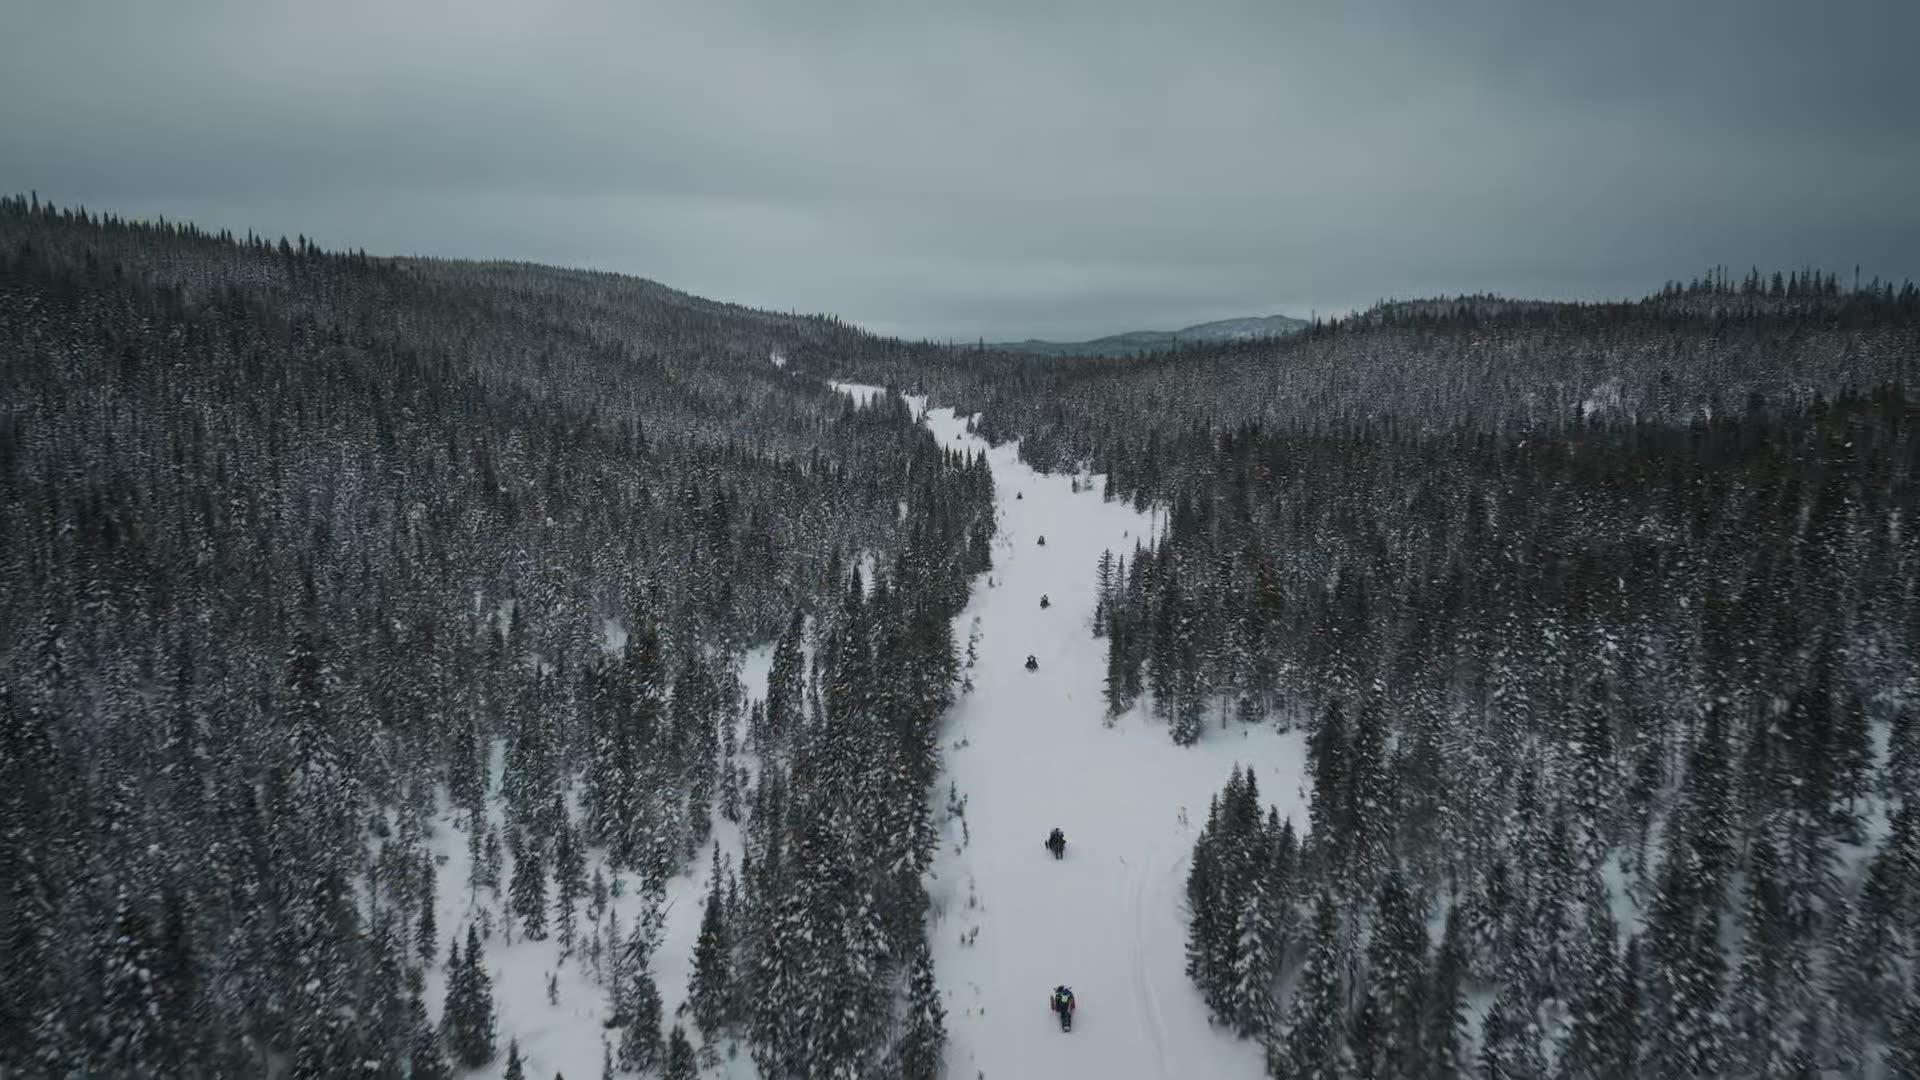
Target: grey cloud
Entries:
(998, 169)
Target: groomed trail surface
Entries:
(1029, 751)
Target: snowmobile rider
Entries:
(1057, 842)
(1044, 602)
(1032, 663)
(1062, 1002)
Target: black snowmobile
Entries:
(1032, 664)
(1061, 1002)
(1057, 843)
(1043, 541)
(1044, 602)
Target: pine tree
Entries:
(1509, 1039)
(426, 933)
(597, 895)
(1311, 1046)
(1900, 774)
(1397, 972)
(529, 890)
(1872, 949)
(1759, 994)
(383, 1003)
(640, 1041)
(784, 679)
(1444, 1015)
(425, 1058)
(1119, 678)
(128, 1022)
(516, 1069)
(569, 876)
(468, 1014)
(1597, 1012)
(1594, 781)
(1369, 801)
(681, 1064)
(477, 833)
(925, 1038)
(1903, 1047)
(1327, 810)
(1687, 964)
(710, 990)
(1366, 1040)
(1853, 750)
(1255, 964)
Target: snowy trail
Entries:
(1028, 750)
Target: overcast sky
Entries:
(967, 168)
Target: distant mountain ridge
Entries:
(1139, 341)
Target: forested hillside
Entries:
(1602, 621)
(296, 544)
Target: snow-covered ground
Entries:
(1028, 751)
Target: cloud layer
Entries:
(1001, 169)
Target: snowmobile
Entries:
(1057, 843)
(1061, 1002)
(1017, 496)
(1044, 602)
(1032, 664)
(1043, 541)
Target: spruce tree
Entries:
(1444, 1015)
(569, 876)
(426, 932)
(1686, 963)
(710, 990)
(529, 890)
(1903, 1043)
(1509, 1038)
(128, 1033)
(1397, 977)
(640, 1039)
(1315, 1030)
(516, 1069)
(426, 1060)
(925, 1037)
(468, 1018)
(1596, 1014)
(681, 1063)
(1208, 925)
(1900, 773)
(784, 705)
(1327, 809)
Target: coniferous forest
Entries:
(300, 548)
(1601, 624)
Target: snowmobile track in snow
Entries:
(1108, 919)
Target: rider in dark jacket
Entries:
(1061, 1002)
